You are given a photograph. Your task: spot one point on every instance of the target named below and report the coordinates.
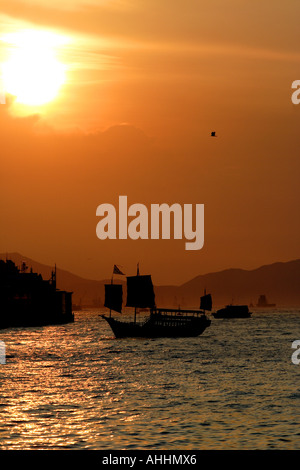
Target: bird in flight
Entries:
(213, 134)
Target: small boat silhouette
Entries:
(233, 311)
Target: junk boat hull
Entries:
(162, 324)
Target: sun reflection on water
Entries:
(76, 387)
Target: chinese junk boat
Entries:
(162, 322)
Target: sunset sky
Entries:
(134, 89)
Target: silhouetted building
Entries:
(27, 299)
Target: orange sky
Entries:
(146, 83)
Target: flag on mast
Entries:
(117, 271)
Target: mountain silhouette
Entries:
(278, 281)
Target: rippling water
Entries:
(76, 387)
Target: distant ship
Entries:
(77, 307)
(233, 311)
(262, 302)
(162, 322)
(27, 299)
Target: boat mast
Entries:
(114, 293)
(137, 273)
(112, 281)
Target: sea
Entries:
(76, 387)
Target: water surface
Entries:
(77, 387)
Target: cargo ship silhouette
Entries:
(262, 302)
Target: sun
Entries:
(32, 72)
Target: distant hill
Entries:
(278, 281)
